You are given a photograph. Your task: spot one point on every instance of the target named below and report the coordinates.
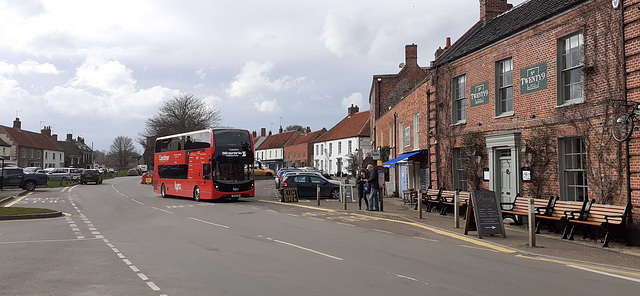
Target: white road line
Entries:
(307, 249)
(406, 277)
(137, 201)
(142, 276)
(210, 223)
(383, 231)
(153, 286)
(606, 273)
(162, 210)
(134, 268)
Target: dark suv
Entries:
(90, 176)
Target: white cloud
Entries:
(106, 76)
(106, 89)
(28, 67)
(346, 36)
(267, 106)
(354, 99)
(254, 78)
(31, 66)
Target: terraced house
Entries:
(523, 103)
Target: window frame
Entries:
(459, 166)
(504, 103)
(459, 99)
(566, 96)
(570, 186)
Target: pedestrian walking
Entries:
(374, 200)
(362, 194)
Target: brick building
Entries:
(299, 152)
(522, 103)
(29, 149)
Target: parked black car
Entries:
(16, 177)
(307, 184)
(90, 176)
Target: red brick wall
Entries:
(600, 27)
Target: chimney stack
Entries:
(263, 132)
(17, 124)
(46, 131)
(55, 137)
(411, 55)
(353, 110)
(69, 137)
(448, 43)
(254, 134)
(492, 8)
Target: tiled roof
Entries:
(277, 140)
(518, 18)
(354, 126)
(307, 137)
(31, 139)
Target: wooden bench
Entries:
(555, 215)
(519, 207)
(430, 197)
(447, 199)
(611, 219)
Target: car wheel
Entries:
(82, 183)
(29, 186)
(196, 193)
(269, 174)
(100, 182)
(63, 179)
(163, 191)
(335, 193)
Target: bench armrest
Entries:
(606, 218)
(573, 214)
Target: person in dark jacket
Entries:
(374, 200)
(360, 183)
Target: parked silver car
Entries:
(64, 174)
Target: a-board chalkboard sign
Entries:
(289, 195)
(484, 215)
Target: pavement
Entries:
(548, 246)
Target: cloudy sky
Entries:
(98, 69)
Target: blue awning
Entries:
(392, 163)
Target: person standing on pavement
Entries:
(374, 201)
(360, 182)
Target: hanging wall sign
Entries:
(533, 78)
(479, 94)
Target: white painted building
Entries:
(348, 139)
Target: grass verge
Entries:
(23, 211)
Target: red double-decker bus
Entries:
(205, 164)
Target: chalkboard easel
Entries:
(484, 214)
(289, 195)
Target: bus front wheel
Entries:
(196, 193)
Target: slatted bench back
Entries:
(597, 213)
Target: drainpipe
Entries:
(429, 134)
(625, 93)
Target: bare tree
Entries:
(121, 151)
(295, 127)
(183, 113)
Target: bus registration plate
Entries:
(236, 195)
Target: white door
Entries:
(403, 177)
(507, 176)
